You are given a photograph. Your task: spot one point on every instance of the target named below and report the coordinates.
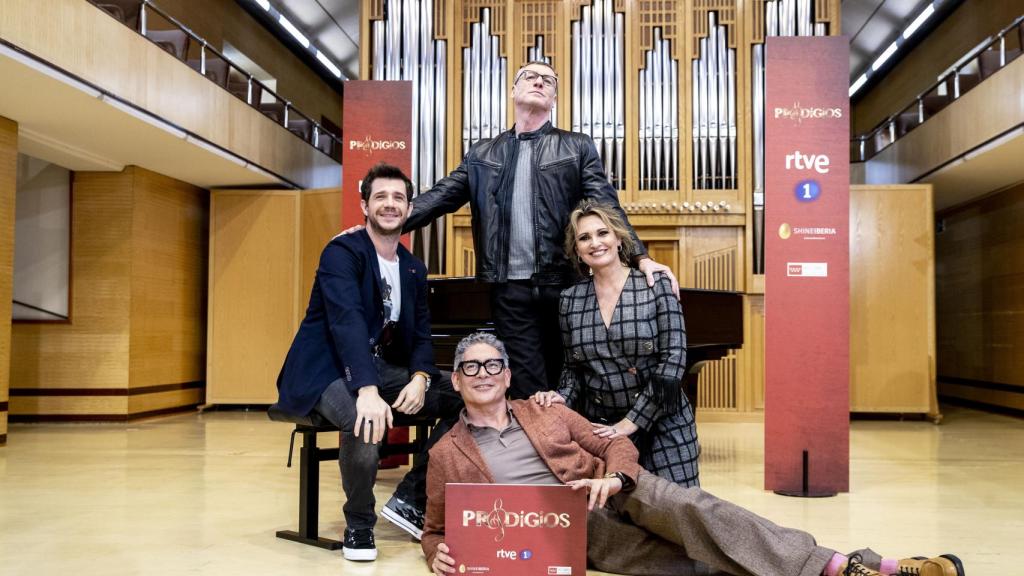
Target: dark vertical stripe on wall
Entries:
(3, 439)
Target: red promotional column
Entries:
(807, 177)
(377, 127)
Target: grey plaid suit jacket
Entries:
(609, 371)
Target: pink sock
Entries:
(889, 566)
(832, 568)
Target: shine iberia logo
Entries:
(499, 519)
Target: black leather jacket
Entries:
(566, 169)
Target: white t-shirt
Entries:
(390, 288)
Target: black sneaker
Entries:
(359, 545)
(404, 515)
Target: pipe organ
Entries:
(671, 91)
(597, 88)
(406, 46)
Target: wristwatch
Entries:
(627, 483)
(425, 377)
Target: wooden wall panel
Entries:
(168, 281)
(980, 300)
(8, 191)
(321, 220)
(892, 299)
(264, 250)
(91, 351)
(253, 293)
(751, 357)
(136, 334)
(965, 28)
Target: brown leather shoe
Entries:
(945, 565)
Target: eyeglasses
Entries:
(531, 76)
(493, 366)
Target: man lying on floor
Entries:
(639, 523)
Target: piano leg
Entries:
(690, 383)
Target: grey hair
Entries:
(479, 338)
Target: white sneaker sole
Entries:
(402, 523)
(359, 554)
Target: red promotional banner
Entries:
(807, 256)
(516, 530)
(377, 121)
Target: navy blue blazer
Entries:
(344, 320)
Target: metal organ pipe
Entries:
(404, 48)
(659, 117)
(597, 84)
(536, 54)
(714, 110)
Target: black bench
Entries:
(310, 456)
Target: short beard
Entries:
(396, 233)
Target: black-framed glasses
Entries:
(492, 366)
(531, 76)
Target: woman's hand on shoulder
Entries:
(547, 398)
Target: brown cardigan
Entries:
(563, 439)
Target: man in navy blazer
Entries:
(363, 350)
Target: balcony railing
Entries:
(136, 14)
(980, 63)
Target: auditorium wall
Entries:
(980, 300)
(8, 179)
(135, 343)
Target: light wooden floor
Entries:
(203, 494)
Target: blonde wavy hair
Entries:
(611, 219)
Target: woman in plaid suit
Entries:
(625, 349)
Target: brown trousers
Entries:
(663, 529)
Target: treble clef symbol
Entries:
(496, 520)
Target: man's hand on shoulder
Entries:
(373, 415)
(443, 563)
(410, 400)
(350, 230)
(650, 268)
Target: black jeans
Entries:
(526, 316)
(359, 461)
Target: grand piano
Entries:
(714, 322)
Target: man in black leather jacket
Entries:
(521, 187)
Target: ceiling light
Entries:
(328, 64)
(918, 21)
(857, 85)
(293, 31)
(885, 56)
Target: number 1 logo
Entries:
(807, 190)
